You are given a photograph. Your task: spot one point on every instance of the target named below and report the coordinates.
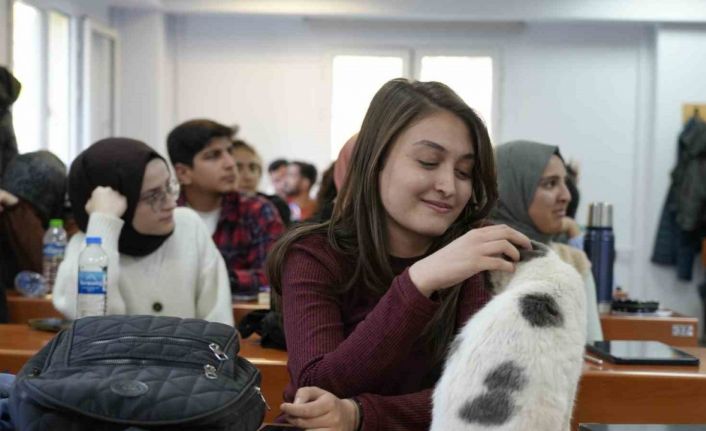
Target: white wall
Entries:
(145, 76)
(680, 79)
(608, 94)
(575, 86)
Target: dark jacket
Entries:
(689, 177)
(9, 91)
(682, 224)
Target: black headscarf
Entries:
(39, 178)
(118, 163)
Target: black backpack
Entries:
(139, 372)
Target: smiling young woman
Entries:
(372, 298)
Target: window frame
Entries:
(83, 123)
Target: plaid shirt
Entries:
(247, 228)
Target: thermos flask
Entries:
(599, 245)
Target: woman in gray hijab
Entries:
(533, 198)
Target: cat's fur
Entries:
(516, 364)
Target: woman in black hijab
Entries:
(161, 258)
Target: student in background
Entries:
(278, 176)
(301, 177)
(249, 166)
(533, 199)
(161, 258)
(243, 227)
(31, 193)
(326, 195)
(9, 92)
(373, 297)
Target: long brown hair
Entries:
(358, 228)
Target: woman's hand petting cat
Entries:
(106, 201)
(316, 409)
(490, 248)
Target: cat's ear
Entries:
(538, 250)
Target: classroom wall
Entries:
(680, 66)
(570, 85)
(601, 91)
(145, 75)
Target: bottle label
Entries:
(92, 282)
(53, 249)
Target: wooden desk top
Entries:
(675, 330)
(21, 340)
(631, 394)
(21, 308)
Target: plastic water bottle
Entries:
(92, 279)
(599, 245)
(54, 246)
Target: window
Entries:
(58, 136)
(41, 62)
(356, 78)
(66, 103)
(27, 47)
(470, 77)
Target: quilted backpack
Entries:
(139, 372)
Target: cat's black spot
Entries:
(491, 408)
(508, 376)
(538, 250)
(541, 310)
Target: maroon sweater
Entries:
(367, 347)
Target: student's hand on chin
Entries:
(105, 200)
(490, 248)
(316, 409)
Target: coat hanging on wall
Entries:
(683, 221)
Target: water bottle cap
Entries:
(600, 214)
(94, 240)
(56, 222)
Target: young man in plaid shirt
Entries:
(243, 227)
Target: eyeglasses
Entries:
(156, 200)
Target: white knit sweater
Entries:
(184, 277)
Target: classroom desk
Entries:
(21, 308)
(615, 394)
(675, 330)
(20, 342)
(630, 394)
(241, 308)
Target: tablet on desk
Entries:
(640, 353)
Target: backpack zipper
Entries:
(215, 348)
